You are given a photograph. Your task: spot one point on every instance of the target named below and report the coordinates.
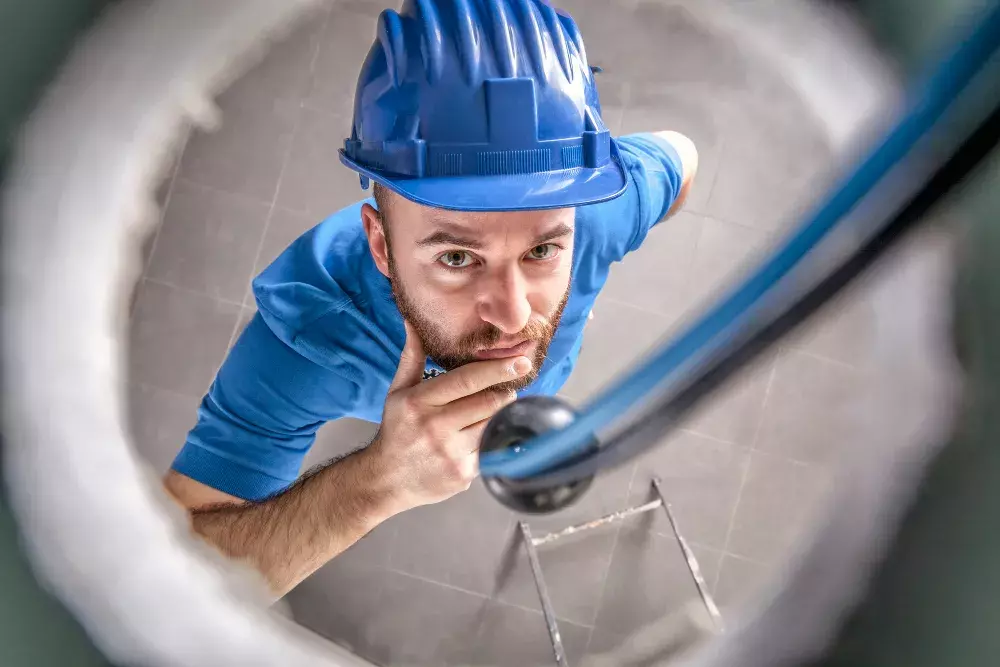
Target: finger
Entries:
(472, 378)
(412, 361)
(470, 410)
(475, 431)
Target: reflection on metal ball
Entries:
(516, 423)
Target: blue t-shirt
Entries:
(327, 336)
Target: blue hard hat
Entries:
(482, 105)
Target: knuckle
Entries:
(498, 399)
(465, 384)
(438, 438)
(409, 402)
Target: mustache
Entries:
(489, 335)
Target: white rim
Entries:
(98, 531)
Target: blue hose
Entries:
(722, 322)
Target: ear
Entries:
(376, 238)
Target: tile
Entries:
(604, 648)
(779, 496)
(162, 200)
(573, 568)
(374, 549)
(843, 331)
(178, 338)
(612, 116)
(338, 438)
(648, 579)
(246, 314)
(815, 409)
(739, 580)
(773, 162)
(617, 337)
(689, 50)
(692, 111)
(342, 602)
(283, 228)
(148, 244)
(460, 541)
(346, 40)
(660, 642)
(387, 617)
(514, 637)
(208, 241)
(159, 422)
(285, 71)
(725, 252)
(692, 50)
(654, 277)
(609, 492)
(709, 562)
(734, 412)
(166, 179)
(701, 480)
(613, 94)
(371, 8)
(315, 182)
(246, 153)
(423, 623)
(599, 28)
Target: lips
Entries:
(501, 352)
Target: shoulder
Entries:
(648, 153)
(654, 172)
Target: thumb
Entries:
(411, 362)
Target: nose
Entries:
(504, 300)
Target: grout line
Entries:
(753, 445)
(163, 210)
(172, 392)
(236, 332)
(188, 290)
(320, 34)
(483, 596)
(626, 91)
(820, 357)
(439, 583)
(281, 174)
(607, 572)
(718, 168)
(755, 561)
(706, 436)
(642, 309)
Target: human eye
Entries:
(544, 251)
(456, 259)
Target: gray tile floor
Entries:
(447, 584)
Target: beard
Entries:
(451, 353)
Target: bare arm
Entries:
(289, 536)
(689, 162)
(426, 451)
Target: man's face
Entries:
(476, 285)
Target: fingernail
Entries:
(522, 365)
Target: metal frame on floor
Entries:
(531, 545)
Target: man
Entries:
(500, 202)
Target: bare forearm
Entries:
(291, 535)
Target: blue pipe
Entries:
(719, 324)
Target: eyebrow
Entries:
(455, 236)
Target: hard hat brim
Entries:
(518, 192)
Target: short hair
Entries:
(383, 202)
(383, 199)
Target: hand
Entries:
(427, 448)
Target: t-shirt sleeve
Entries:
(260, 416)
(655, 175)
